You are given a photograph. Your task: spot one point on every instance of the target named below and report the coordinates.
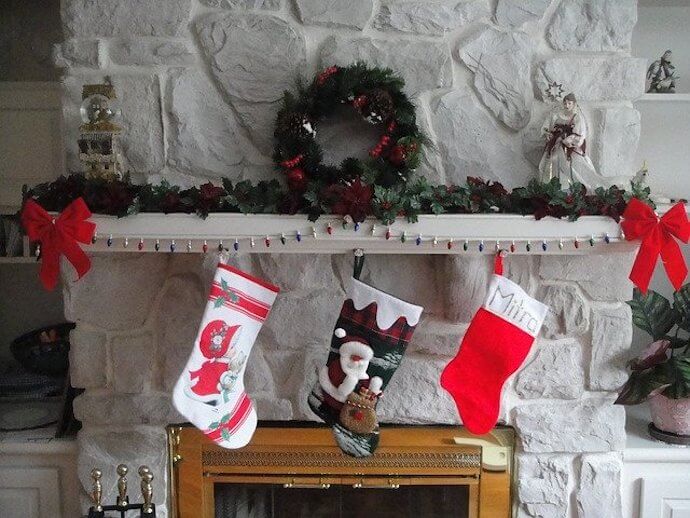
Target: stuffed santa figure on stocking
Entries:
(368, 344)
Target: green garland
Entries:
(358, 200)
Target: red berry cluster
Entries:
(323, 76)
(293, 162)
(383, 142)
(378, 149)
(296, 179)
(360, 101)
(398, 154)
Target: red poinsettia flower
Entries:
(209, 197)
(209, 192)
(171, 202)
(354, 200)
(109, 198)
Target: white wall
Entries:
(665, 136)
(662, 27)
(665, 132)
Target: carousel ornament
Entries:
(565, 148)
(99, 139)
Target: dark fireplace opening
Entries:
(340, 501)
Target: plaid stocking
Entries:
(371, 335)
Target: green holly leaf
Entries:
(225, 434)
(225, 419)
(224, 284)
(214, 425)
(234, 298)
(219, 302)
(652, 313)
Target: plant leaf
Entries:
(224, 284)
(225, 419)
(219, 302)
(681, 305)
(677, 343)
(225, 434)
(652, 313)
(681, 373)
(214, 425)
(642, 384)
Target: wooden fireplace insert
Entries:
(306, 456)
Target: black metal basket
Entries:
(44, 350)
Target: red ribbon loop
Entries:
(657, 235)
(58, 236)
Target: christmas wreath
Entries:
(377, 95)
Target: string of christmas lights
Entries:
(375, 233)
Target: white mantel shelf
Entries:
(189, 233)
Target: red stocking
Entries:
(494, 347)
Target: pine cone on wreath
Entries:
(296, 125)
(379, 107)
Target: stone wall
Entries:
(200, 80)
(129, 353)
(199, 83)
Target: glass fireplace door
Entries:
(363, 498)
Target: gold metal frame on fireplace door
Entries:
(307, 456)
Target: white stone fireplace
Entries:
(199, 82)
(137, 316)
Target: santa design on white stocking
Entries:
(210, 391)
(218, 342)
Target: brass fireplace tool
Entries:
(122, 506)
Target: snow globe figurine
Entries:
(565, 147)
(99, 147)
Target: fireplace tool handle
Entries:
(122, 498)
(147, 509)
(96, 510)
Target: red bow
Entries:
(641, 222)
(59, 235)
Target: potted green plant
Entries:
(661, 373)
